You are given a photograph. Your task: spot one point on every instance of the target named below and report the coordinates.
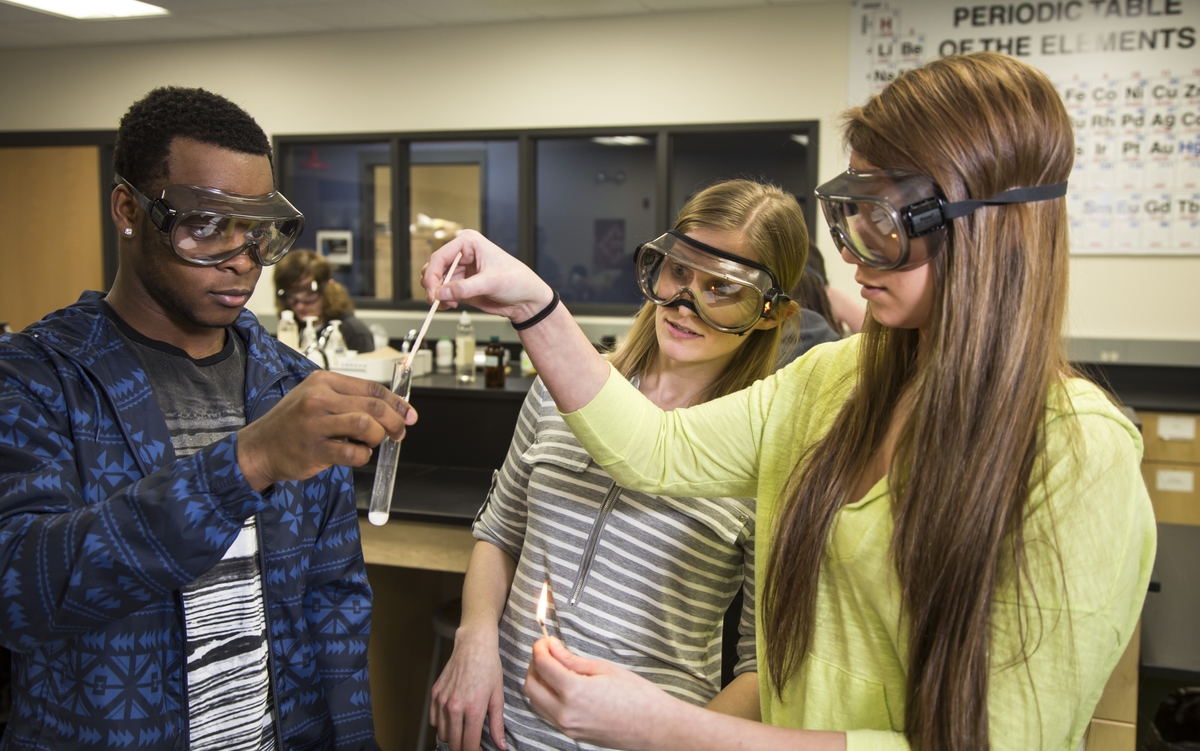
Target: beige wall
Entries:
(773, 63)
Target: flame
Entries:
(543, 603)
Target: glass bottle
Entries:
(288, 332)
(335, 342)
(309, 336)
(444, 355)
(493, 364)
(464, 350)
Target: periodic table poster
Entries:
(1128, 72)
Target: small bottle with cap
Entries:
(444, 352)
(335, 343)
(288, 332)
(311, 344)
(493, 364)
(309, 336)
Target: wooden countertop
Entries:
(423, 545)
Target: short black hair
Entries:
(169, 112)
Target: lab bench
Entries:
(417, 560)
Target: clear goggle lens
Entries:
(869, 232)
(729, 295)
(208, 239)
(890, 219)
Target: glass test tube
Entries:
(389, 456)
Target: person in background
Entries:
(178, 536)
(304, 285)
(847, 309)
(817, 324)
(954, 537)
(639, 579)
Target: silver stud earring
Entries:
(128, 232)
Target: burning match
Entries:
(543, 603)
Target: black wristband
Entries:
(540, 315)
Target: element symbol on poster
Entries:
(1127, 74)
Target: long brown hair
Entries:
(773, 225)
(296, 265)
(978, 383)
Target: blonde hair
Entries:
(773, 225)
(978, 382)
(297, 265)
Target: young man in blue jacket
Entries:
(180, 565)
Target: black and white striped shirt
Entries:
(640, 580)
(224, 610)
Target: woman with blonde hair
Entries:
(639, 579)
(956, 539)
(304, 285)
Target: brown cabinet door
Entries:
(51, 247)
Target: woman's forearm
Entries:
(572, 369)
(600, 703)
(691, 728)
(485, 588)
(739, 698)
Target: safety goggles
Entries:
(896, 219)
(306, 296)
(727, 292)
(206, 226)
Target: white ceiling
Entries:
(217, 19)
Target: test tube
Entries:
(389, 455)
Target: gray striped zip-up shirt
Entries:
(640, 580)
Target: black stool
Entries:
(445, 623)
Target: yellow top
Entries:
(853, 677)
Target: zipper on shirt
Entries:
(589, 552)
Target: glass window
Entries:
(591, 198)
(457, 185)
(701, 159)
(344, 191)
(595, 203)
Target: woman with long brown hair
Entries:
(955, 534)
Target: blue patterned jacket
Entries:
(100, 526)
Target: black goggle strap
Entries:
(931, 214)
(159, 211)
(1015, 195)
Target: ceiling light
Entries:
(621, 141)
(800, 138)
(92, 9)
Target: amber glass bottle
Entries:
(493, 364)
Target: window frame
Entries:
(526, 139)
